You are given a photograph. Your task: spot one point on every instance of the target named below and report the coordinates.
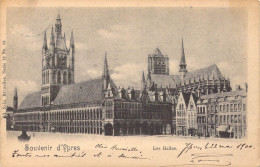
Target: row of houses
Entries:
(213, 115)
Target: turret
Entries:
(143, 81)
(44, 49)
(72, 51)
(44, 46)
(219, 85)
(164, 96)
(224, 87)
(15, 101)
(58, 27)
(156, 95)
(52, 42)
(183, 64)
(149, 79)
(132, 94)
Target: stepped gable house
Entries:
(94, 107)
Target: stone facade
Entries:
(199, 102)
(225, 114)
(94, 107)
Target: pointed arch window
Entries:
(59, 77)
(64, 77)
(69, 78)
(54, 77)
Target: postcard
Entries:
(130, 83)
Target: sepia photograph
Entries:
(130, 85)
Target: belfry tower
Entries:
(57, 63)
(158, 63)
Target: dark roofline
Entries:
(242, 93)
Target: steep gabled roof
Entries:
(31, 100)
(88, 91)
(195, 98)
(186, 97)
(171, 80)
(165, 80)
(210, 71)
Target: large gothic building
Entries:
(203, 81)
(199, 102)
(95, 106)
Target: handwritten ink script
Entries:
(208, 159)
(67, 151)
(213, 146)
(203, 154)
(211, 158)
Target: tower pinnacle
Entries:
(106, 71)
(58, 26)
(71, 39)
(183, 64)
(143, 83)
(52, 37)
(44, 47)
(106, 76)
(183, 61)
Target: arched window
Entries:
(54, 77)
(59, 77)
(69, 78)
(64, 77)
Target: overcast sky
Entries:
(211, 36)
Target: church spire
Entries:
(106, 76)
(183, 61)
(183, 64)
(106, 72)
(15, 101)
